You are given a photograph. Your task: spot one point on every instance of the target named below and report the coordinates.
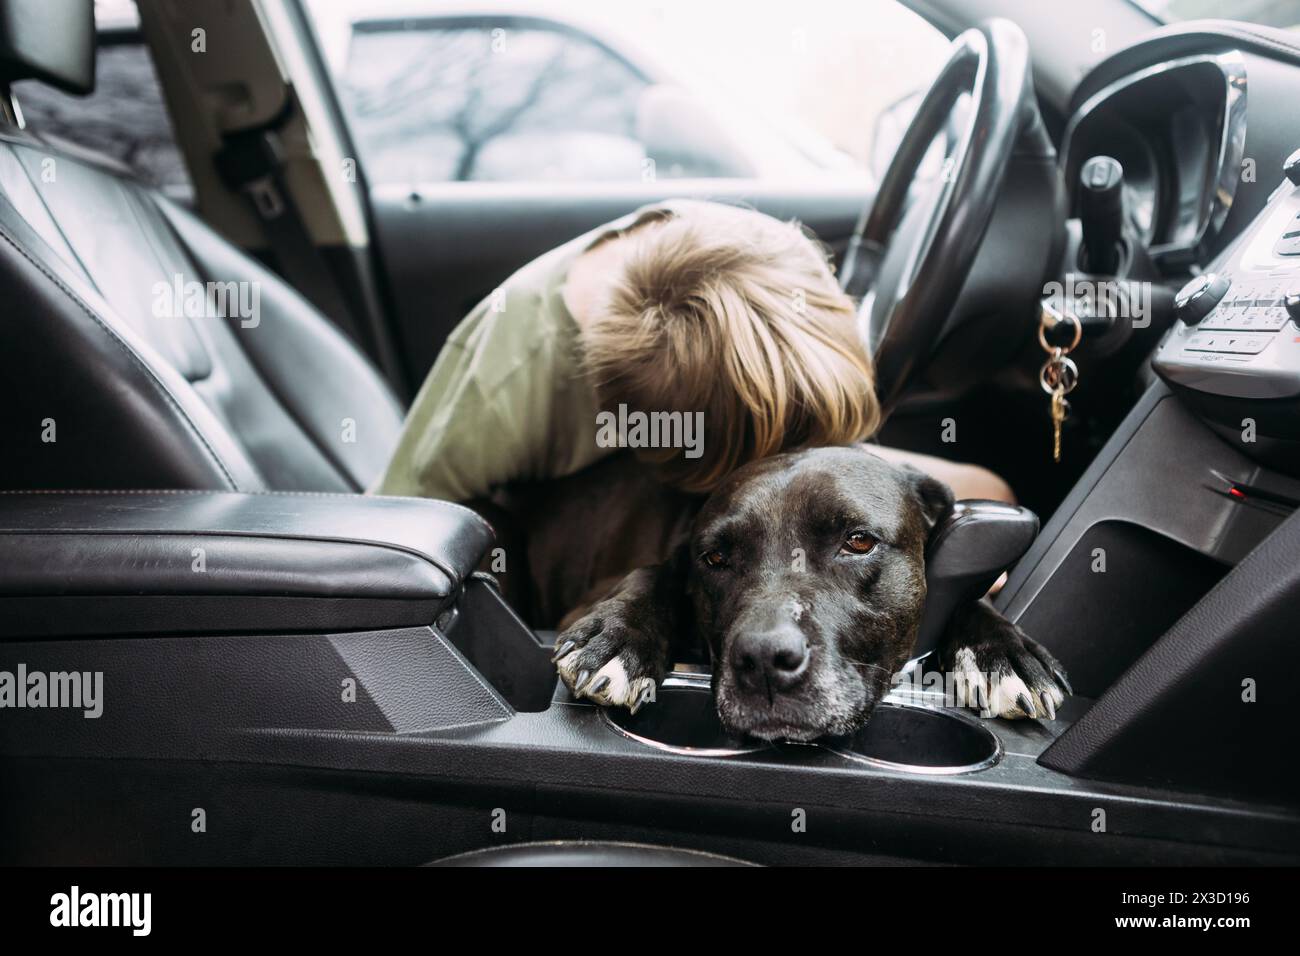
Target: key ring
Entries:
(1057, 316)
(1059, 372)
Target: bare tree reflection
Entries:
(429, 101)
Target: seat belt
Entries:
(252, 162)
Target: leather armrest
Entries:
(117, 563)
(968, 550)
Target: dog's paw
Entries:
(604, 659)
(1005, 673)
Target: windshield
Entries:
(1272, 13)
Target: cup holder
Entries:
(901, 735)
(682, 719)
(916, 738)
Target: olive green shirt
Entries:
(507, 399)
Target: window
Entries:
(124, 118)
(430, 102)
(586, 90)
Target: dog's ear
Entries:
(935, 497)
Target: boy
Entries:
(683, 306)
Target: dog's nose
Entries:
(776, 659)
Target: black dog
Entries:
(804, 576)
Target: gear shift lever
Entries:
(967, 551)
(1101, 213)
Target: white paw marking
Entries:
(615, 692)
(969, 683)
(1005, 694)
(621, 691)
(568, 664)
(999, 695)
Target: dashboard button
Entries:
(1268, 321)
(1227, 320)
(1228, 342)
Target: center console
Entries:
(1168, 582)
(325, 679)
(1234, 354)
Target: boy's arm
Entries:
(482, 418)
(454, 445)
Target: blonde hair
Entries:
(737, 315)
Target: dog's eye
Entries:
(859, 542)
(715, 559)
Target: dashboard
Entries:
(1178, 130)
(1203, 125)
(1237, 335)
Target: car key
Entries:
(1059, 375)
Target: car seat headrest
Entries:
(48, 40)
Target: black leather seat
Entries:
(102, 383)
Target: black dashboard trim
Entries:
(1186, 39)
(1220, 189)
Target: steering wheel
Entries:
(908, 264)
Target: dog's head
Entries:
(807, 580)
